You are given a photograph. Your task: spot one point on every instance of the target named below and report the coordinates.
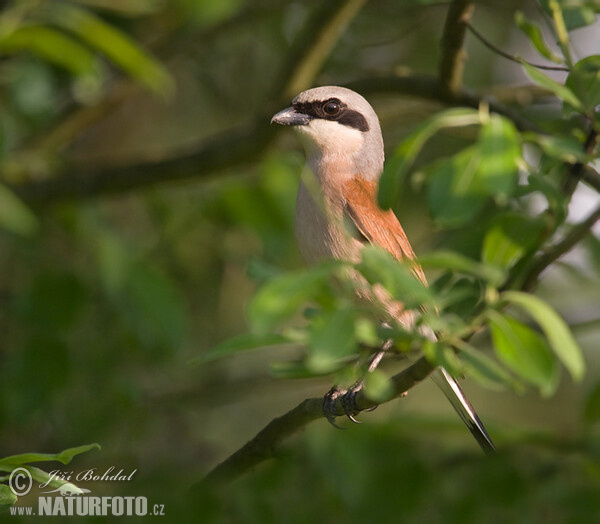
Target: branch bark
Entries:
(453, 53)
(264, 445)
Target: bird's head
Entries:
(338, 125)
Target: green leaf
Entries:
(509, 237)
(576, 13)
(584, 81)
(524, 351)
(7, 498)
(379, 266)
(565, 148)
(462, 264)
(116, 45)
(485, 369)
(535, 36)
(555, 329)
(241, 343)
(453, 194)
(283, 296)
(64, 456)
(560, 90)
(54, 46)
(378, 386)
(406, 153)
(15, 216)
(443, 355)
(499, 147)
(332, 340)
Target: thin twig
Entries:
(591, 177)
(554, 252)
(453, 55)
(264, 445)
(504, 54)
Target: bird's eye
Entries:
(331, 107)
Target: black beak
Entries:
(290, 117)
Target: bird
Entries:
(337, 212)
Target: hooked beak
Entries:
(290, 117)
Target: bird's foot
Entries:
(347, 398)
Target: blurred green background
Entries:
(108, 294)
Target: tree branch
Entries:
(453, 57)
(231, 148)
(264, 445)
(554, 252)
(591, 177)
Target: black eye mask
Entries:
(344, 115)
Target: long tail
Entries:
(463, 407)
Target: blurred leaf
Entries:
(15, 216)
(33, 89)
(332, 340)
(462, 297)
(64, 456)
(378, 386)
(560, 90)
(510, 236)
(241, 343)
(499, 147)
(365, 332)
(485, 369)
(7, 498)
(555, 329)
(53, 302)
(54, 46)
(565, 148)
(576, 13)
(584, 82)
(462, 264)
(379, 266)
(283, 296)
(524, 351)
(443, 355)
(406, 153)
(535, 36)
(453, 194)
(116, 45)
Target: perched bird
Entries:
(337, 214)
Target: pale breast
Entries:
(320, 230)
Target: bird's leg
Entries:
(347, 397)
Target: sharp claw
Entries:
(329, 405)
(348, 400)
